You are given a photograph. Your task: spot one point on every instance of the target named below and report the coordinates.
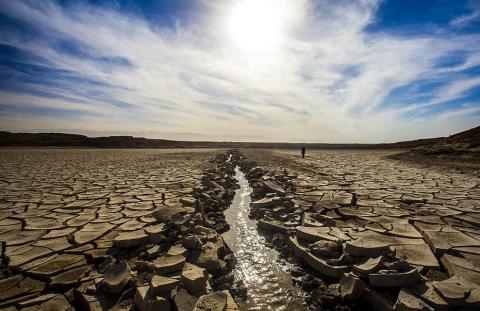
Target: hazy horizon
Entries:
(279, 71)
(196, 137)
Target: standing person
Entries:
(303, 152)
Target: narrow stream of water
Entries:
(269, 287)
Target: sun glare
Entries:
(258, 24)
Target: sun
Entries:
(258, 25)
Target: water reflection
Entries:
(269, 286)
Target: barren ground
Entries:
(62, 209)
(428, 214)
(74, 202)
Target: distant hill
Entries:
(8, 139)
(464, 146)
(463, 143)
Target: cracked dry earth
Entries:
(397, 235)
(124, 229)
(80, 227)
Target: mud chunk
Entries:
(367, 248)
(272, 226)
(326, 249)
(160, 285)
(169, 263)
(462, 267)
(193, 278)
(146, 301)
(183, 301)
(342, 198)
(21, 237)
(406, 301)
(370, 266)
(314, 234)
(155, 233)
(26, 254)
(265, 202)
(188, 201)
(142, 266)
(273, 186)
(209, 259)
(69, 277)
(36, 301)
(416, 254)
(231, 304)
(378, 300)
(131, 238)
(442, 241)
(402, 230)
(98, 255)
(457, 291)
(17, 285)
(351, 286)
(117, 277)
(427, 292)
(216, 301)
(177, 250)
(394, 278)
(153, 251)
(90, 233)
(60, 263)
(324, 268)
(57, 303)
(167, 214)
(192, 242)
(205, 233)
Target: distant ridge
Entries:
(8, 139)
(461, 147)
(74, 140)
(466, 143)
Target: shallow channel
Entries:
(260, 268)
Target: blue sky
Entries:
(265, 70)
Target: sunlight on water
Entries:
(269, 286)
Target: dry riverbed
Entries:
(142, 229)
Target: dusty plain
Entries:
(92, 229)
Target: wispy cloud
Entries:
(329, 80)
(466, 19)
(454, 90)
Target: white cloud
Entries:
(466, 19)
(454, 90)
(325, 82)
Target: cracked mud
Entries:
(141, 229)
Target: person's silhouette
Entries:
(303, 152)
